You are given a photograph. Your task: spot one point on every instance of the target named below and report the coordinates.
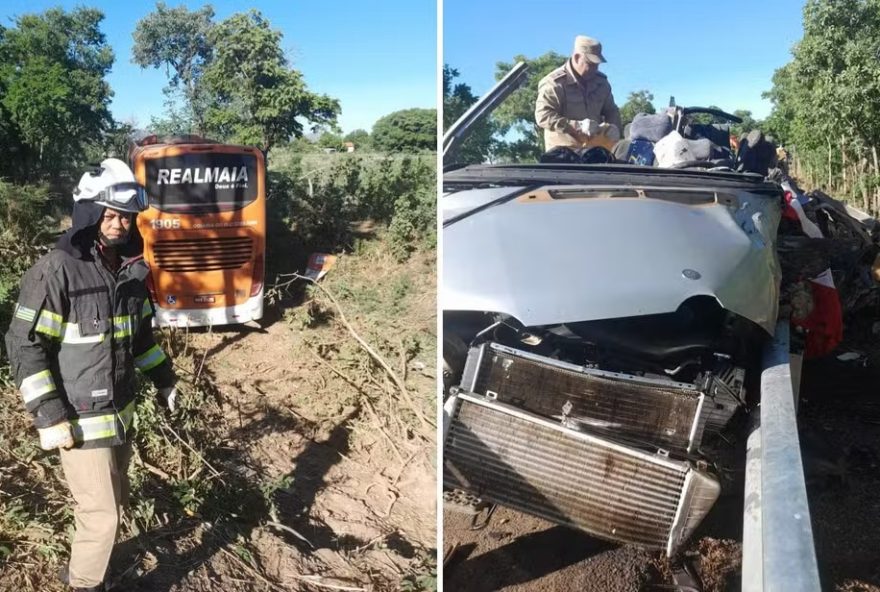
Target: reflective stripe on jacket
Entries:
(77, 334)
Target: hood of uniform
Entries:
(83, 233)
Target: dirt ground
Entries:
(840, 432)
(360, 497)
(317, 473)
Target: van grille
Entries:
(643, 412)
(204, 254)
(514, 458)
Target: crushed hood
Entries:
(555, 261)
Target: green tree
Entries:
(457, 98)
(178, 39)
(827, 98)
(638, 102)
(257, 99)
(748, 124)
(782, 116)
(516, 115)
(116, 142)
(706, 118)
(54, 100)
(360, 138)
(302, 144)
(408, 130)
(175, 121)
(330, 140)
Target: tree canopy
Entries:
(360, 138)
(832, 85)
(826, 100)
(177, 38)
(517, 113)
(639, 101)
(236, 81)
(330, 140)
(457, 98)
(53, 95)
(257, 97)
(406, 131)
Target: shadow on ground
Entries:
(232, 510)
(524, 559)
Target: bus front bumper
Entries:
(250, 310)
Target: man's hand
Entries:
(59, 435)
(168, 395)
(580, 136)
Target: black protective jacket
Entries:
(79, 331)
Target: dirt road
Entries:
(840, 431)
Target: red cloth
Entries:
(787, 210)
(824, 324)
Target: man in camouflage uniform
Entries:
(82, 324)
(573, 92)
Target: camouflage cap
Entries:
(590, 48)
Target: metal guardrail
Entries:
(778, 549)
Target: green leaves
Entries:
(178, 39)
(479, 145)
(256, 98)
(832, 85)
(360, 138)
(53, 96)
(236, 82)
(175, 38)
(514, 119)
(638, 102)
(25, 227)
(408, 130)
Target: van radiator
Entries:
(517, 459)
(203, 254)
(646, 413)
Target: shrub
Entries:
(319, 200)
(414, 222)
(26, 231)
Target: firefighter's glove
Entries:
(59, 435)
(168, 396)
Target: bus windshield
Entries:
(201, 183)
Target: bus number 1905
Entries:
(165, 223)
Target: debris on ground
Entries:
(318, 266)
(719, 560)
(827, 252)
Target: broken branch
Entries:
(426, 423)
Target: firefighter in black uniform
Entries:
(81, 327)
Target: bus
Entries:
(204, 230)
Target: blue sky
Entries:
(375, 57)
(702, 52)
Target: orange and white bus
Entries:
(205, 230)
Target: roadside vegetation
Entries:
(826, 101)
(303, 455)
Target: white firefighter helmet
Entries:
(113, 186)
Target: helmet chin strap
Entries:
(113, 242)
